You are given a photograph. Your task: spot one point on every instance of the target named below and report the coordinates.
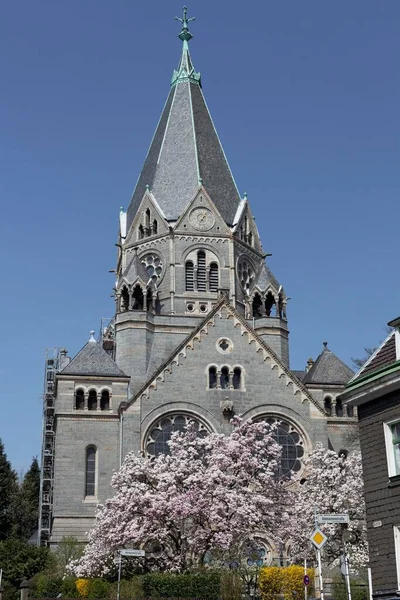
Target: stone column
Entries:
(86, 397)
(144, 299)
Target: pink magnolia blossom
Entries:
(206, 498)
(333, 484)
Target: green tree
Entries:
(8, 491)
(20, 560)
(26, 503)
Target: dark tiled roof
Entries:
(266, 278)
(384, 356)
(299, 374)
(328, 369)
(135, 270)
(184, 149)
(93, 360)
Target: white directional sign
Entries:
(131, 552)
(333, 518)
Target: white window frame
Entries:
(396, 532)
(391, 463)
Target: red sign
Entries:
(306, 580)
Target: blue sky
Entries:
(305, 97)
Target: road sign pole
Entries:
(119, 575)
(346, 568)
(321, 588)
(305, 573)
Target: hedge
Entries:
(285, 581)
(191, 585)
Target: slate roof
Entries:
(384, 356)
(299, 374)
(328, 369)
(265, 278)
(186, 148)
(93, 360)
(135, 270)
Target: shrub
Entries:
(190, 585)
(82, 586)
(68, 587)
(359, 590)
(231, 585)
(46, 586)
(287, 581)
(130, 588)
(98, 588)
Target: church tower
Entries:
(199, 334)
(187, 238)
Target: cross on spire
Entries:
(185, 34)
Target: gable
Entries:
(201, 216)
(146, 215)
(246, 229)
(185, 374)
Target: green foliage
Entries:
(98, 588)
(8, 492)
(25, 504)
(68, 587)
(45, 586)
(359, 589)
(68, 549)
(130, 588)
(190, 585)
(231, 585)
(20, 560)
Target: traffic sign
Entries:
(318, 538)
(306, 580)
(131, 552)
(333, 518)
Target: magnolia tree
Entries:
(202, 500)
(333, 484)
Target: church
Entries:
(200, 331)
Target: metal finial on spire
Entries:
(185, 34)
(92, 338)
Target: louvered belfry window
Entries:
(189, 276)
(201, 271)
(214, 277)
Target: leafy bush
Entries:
(45, 586)
(287, 581)
(359, 590)
(82, 586)
(68, 587)
(231, 585)
(190, 585)
(130, 588)
(98, 588)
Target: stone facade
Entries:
(200, 328)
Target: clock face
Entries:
(201, 218)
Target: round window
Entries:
(153, 265)
(160, 433)
(245, 273)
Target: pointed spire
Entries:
(185, 70)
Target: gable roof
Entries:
(383, 356)
(328, 369)
(185, 151)
(297, 386)
(266, 278)
(93, 360)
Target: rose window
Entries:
(153, 266)
(160, 433)
(292, 444)
(245, 273)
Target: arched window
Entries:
(339, 408)
(257, 306)
(141, 232)
(79, 400)
(92, 400)
(161, 431)
(328, 405)
(269, 303)
(189, 276)
(291, 442)
(155, 227)
(137, 298)
(212, 377)
(250, 239)
(237, 378)
(201, 271)
(105, 400)
(147, 221)
(90, 471)
(124, 299)
(225, 378)
(214, 279)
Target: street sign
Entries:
(132, 552)
(318, 538)
(333, 518)
(306, 580)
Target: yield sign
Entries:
(318, 538)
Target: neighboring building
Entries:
(200, 329)
(375, 391)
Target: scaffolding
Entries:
(52, 364)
